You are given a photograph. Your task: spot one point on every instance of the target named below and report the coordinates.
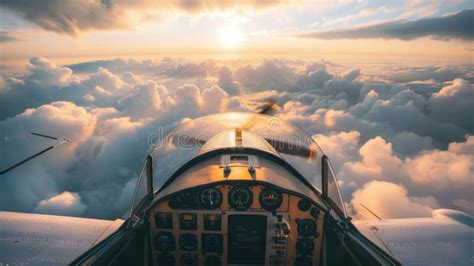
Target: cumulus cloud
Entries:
(453, 103)
(45, 72)
(387, 200)
(451, 168)
(378, 161)
(342, 146)
(426, 174)
(385, 127)
(73, 16)
(66, 203)
(456, 26)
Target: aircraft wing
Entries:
(49, 240)
(447, 238)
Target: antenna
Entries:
(370, 211)
(60, 141)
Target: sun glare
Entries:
(230, 37)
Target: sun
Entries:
(230, 37)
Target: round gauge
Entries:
(240, 198)
(188, 242)
(304, 205)
(211, 198)
(314, 212)
(212, 243)
(164, 241)
(306, 227)
(270, 199)
(189, 260)
(304, 246)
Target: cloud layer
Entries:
(73, 16)
(400, 138)
(456, 26)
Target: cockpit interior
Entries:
(240, 189)
(239, 217)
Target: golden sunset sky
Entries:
(339, 30)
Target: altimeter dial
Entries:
(240, 198)
(211, 198)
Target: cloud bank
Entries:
(456, 26)
(400, 137)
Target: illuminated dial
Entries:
(240, 198)
(188, 242)
(211, 198)
(270, 199)
(306, 227)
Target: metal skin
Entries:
(36, 239)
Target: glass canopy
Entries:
(193, 137)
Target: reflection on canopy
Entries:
(193, 138)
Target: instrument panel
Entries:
(237, 224)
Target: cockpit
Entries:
(238, 189)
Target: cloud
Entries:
(227, 81)
(45, 72)
(145, 101)
(68, 16)
(214, 99)
(74, 16)
(376, 126)
(378, 161)
(387, 200)
(105, 80)
(66, 203)
(189, 70)
(453, 167)
(271, 74)
(455, 26)
(426, 174)
(453, 103)
(6, 36)
(423, 74)
(342, 146)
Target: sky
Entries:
(345, 29)
(384, 87)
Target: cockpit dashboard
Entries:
(236, 223)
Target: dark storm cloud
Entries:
(457, 26)
(73, 16)
(68, 16)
